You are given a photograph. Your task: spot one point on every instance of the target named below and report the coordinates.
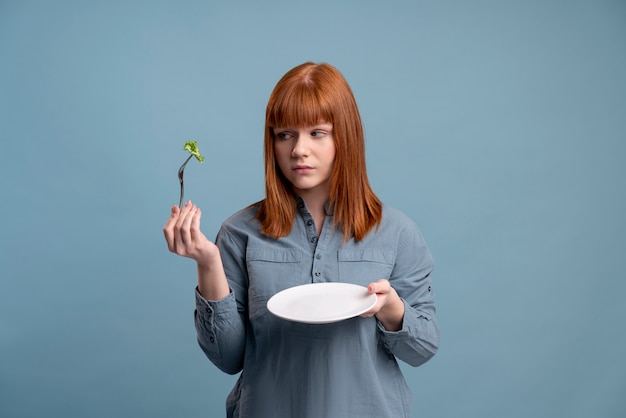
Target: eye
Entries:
(318, 134)
(283, 135)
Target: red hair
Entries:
(307, 95)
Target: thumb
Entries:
(379, 286)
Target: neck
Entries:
(316, 204)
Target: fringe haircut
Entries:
(307, 95)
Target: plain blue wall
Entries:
(499, 126)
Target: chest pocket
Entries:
(363, 266)
(271, 270)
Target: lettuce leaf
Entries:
(192, 147)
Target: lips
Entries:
(302, 169)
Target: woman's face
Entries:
(306, 156)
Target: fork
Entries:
(181, 172)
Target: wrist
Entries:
(391, 315)
(209, 261)
(212, 282)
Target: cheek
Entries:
(332, 155)
(281, 159)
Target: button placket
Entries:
(317, 265)
(321, 242)
(318, 243)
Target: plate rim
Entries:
(349, 315)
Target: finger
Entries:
(379, 286)
(184, 224)
(195, 224)
(172, 218)
(168, 228)
(189, 217)
(183, 212)
(182, 216)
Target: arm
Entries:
(220, 328)
(406, 318)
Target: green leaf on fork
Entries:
(192, 147)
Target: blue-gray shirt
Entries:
(338, 370)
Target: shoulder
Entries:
(237, 229)
(393, 218)
(401, 230)
(399, 225)
(243, 216)
(243, 219)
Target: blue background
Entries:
(499, 126)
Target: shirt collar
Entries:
(303, 209)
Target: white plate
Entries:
(321, 303)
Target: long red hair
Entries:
(305, 96)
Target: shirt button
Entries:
(314, 240)
(317, 274)
(309, 222)
(318, 256)
(212, 339)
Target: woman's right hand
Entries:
(183, 235)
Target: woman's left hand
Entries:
(389, 309)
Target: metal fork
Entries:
(181, 172)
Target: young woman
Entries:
(319, 222)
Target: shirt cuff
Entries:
(409, 323)
(209, 310)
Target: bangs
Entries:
(297, 106)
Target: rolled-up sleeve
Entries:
(220, 324)
(221, 334)
(418, 339)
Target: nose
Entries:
(300, 146)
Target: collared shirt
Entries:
(337, 370)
